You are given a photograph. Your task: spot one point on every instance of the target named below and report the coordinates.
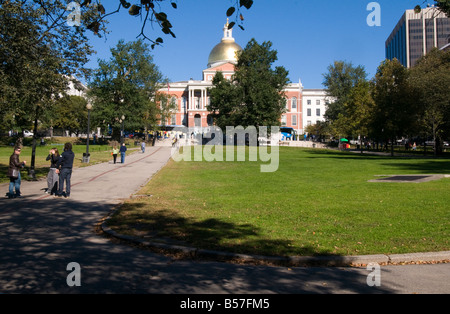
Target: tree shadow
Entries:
(39, 238)
(213, 239)
(436, 165)
(431, 166)
(332, 153)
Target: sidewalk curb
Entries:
(180, 251)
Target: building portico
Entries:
(192, 97)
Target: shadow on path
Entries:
(39, 238)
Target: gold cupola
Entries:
(226, 50)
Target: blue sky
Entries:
(308, 35)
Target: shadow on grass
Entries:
(212, 234)
(342, 154)
(428, 167)
(433, 164)
(40, 237)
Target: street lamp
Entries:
(123, 131)
(87, 155)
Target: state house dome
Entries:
(225, 51)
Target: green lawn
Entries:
(318, 202)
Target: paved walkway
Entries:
(41, 235)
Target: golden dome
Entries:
(226, 50)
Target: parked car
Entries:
(27, 133)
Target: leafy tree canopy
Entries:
(255, 96)
(125, 85)
(92, 14)
(339, 81)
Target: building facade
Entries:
(416, 34)
(192, 98)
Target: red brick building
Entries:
(191, 97)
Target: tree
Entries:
(225, 102)
(166, 107)
(442, 5)
(321, 130)
(254, 97)
(70, 113)
(395, 108)
(359, 110)
(126, 86)
(341, 78)
(430, 78)
(93, 15)
(38, 54)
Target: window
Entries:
(210, 120)
(283, 120)
(183, 104)
(197, 102)
(174, 102)
(309, 101)
(308, 112)
(198, 120)
(294, 104)
(294, 120)
(318, 112)
(318, 102)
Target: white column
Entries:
(203, 99)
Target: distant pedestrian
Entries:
(64, 168)
(14, 173)
(52, 176)
(414, 146)
(115, 152)
(123, 150)
(143, 146)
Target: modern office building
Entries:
(191, 97)
(416, 34)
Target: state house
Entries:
(303, 106)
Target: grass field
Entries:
(318, 202)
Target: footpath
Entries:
(106, 182)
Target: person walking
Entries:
(114, 153)
(123, 150)
(14, 173)
(143, 146)
(64, 167)
(52, 176)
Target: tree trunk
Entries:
(32, 172)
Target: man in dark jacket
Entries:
(15, 180)
(64, 168)
(123, 150)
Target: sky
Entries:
(308, 35)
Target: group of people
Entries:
(122, 150)
(59, 174)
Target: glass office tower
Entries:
(416, 34)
